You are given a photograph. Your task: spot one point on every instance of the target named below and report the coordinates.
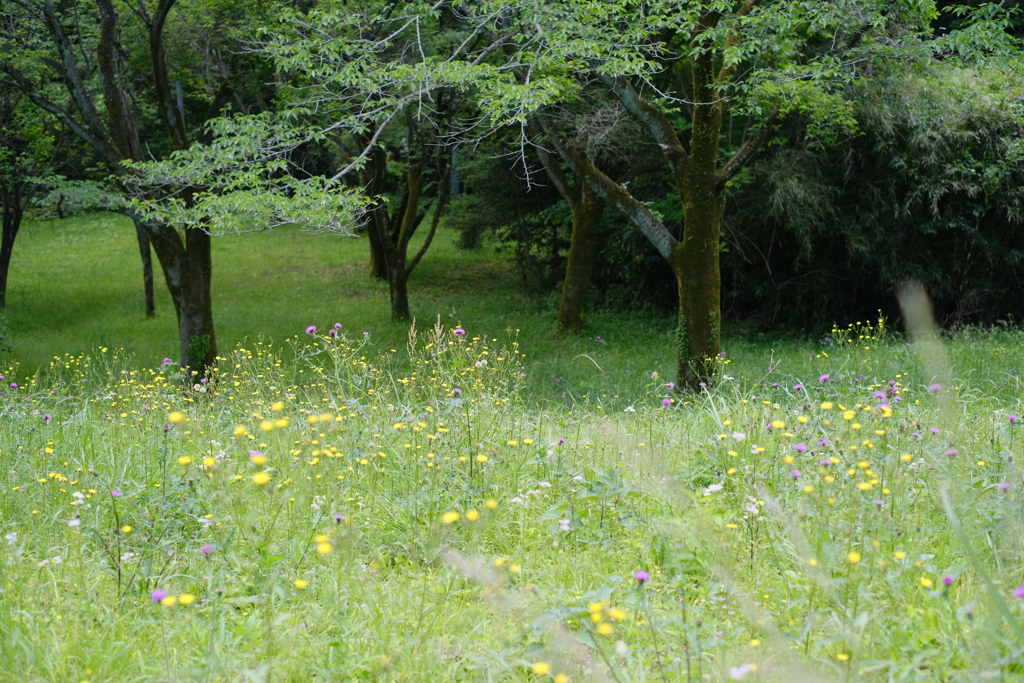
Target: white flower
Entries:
(629, 409)
(517, 499)
(43, 563)
(74, 522)
(11, 537)
(621, 649)
(56, 559)
(714, 488)
(739, 436)
(563, 524)
(544, 485)
(78, 494)
(751, 507)
(737, 673)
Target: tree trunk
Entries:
(398, 280)
(586, 219)
(187, 270)
(695, 259)
(378, 260)
(147, 269)
(13, 212)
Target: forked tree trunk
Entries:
(586, 208)
(147, 269)
(187, 270)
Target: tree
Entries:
(678, 68)
(49, 48)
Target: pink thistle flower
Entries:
(799, 448)
(311, 329)
(158, 595)
(640, 575)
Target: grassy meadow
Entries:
(481, 501)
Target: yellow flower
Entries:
(277, 406)
(926, 582)
(209, 462)
(267, 425)
(323, 548)
(842, 657)
(184, 460)
(261, 478)
(541, 668)
(513, 443)
(169, 601)
(450, 517)
(755, 642)
(300, 583)
(491, 504)
(561, 678)
(126, 529)
(854, 557)
(472, 515)
(899, 555)
(498, 562)
(616, 614)
(864, 486)
(527, 442)
(605, 629)
(848, 414)
(813, 562)
(778, 424)
(239, 431)
(827, 405)
(186, 598)
(481, 458)
(514, 568)
(178, 418)
(258, 459)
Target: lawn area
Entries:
(848, 508)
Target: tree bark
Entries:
(587, 209)
(147, 269)
(13, 211)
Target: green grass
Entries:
(835, 575)
(76, 285)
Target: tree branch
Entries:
(613, 193)
(652, 117)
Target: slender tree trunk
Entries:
(147, 269)
(695, 259)
(398, 282)
(13, 212)
(378, 258)
(586, 219)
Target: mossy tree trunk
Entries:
(701, 182)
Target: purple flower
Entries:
(311, 329)
(116, 493)
(158, 595)
(47, 417)
(798, 387)
(458, 332)
(337, 326)
(13, 385)
(1003, 485)
(879, 394)
(456, 392)
(1011, 418)
(338, 518)
(1018, 592)
(825, 463)
(934, 430)
(702, 385)
(561, 439)
(823, 378)
(934, 387)
(796, 474)
(951, 452)
(947, 580)
(672, 387)
(879, 502)
(799, 448)
(641, 576)
(167, 361)
(822, 441)
(207, 549)
(666, 402)
(333, 332)
(917, 435)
